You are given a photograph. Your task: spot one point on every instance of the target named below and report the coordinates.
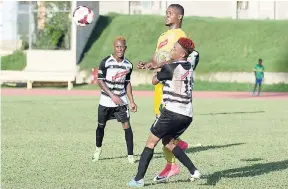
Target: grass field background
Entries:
(224, 44)
(48, 142)
(199, 86)
(211, 86)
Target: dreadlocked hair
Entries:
(187, 44)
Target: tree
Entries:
(56, 32)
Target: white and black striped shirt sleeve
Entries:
(128, 76)
(102, 70)
(166, 73)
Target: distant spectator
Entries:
(259, 76)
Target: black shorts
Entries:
(170, 124)
(121, 113)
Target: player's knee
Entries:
(165, 141)
(168, 143)
(170, 146)
(126, 125)
(151, 143)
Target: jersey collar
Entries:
(180, 61)
(112, 57)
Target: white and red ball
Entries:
(83, 16)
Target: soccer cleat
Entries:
(169, 171)
(131, 159)
(183, 145)
(133, 183)
(96, 154)
(195, 176)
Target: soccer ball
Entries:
(83, 16)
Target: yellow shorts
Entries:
(158, 98)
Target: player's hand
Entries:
(133, 107)
(140, 65)
(148, 66)
(117, 100)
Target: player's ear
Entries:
(180, 17)
(183, 55)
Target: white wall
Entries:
(266, 10)
(113, 6)
(9, 21)
(83, 33)
(281, 10)
(219, 9)
(8, 28)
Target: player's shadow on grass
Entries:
(211, 147)
(189, 150)
(247, 171)
(227, 113)
(252, 159)
(156, 154)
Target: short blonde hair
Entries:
(120, 38)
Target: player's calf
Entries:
(129, 141)
(259, 89)
(184, 159)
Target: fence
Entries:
(220, 9)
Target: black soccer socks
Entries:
(145, 159)
(99, 135)
(184, 159)
(129, 140)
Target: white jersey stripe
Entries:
(115, 75)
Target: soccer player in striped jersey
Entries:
(177, 114)
(174, 17)
(114, 75)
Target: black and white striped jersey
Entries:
(193, 58)
(115, 75)
(177, 91)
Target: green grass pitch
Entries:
(48, 142)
